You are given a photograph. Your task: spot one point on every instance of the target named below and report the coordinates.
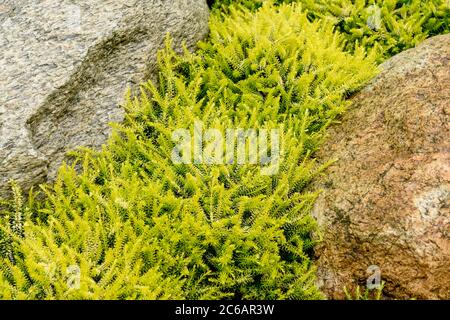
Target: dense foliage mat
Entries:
(388, 26)
(128, 223)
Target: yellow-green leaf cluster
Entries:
(134, 225)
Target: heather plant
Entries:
(364, 294)
(388, 27)
(129, 223)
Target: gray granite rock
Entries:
(65, 66)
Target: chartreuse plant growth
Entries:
(387, 26)
(129, 223)
(139, 226)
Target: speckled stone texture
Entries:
(386, 202)
(65, 66)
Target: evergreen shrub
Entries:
(128, 223)
(388, 26)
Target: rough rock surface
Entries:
(65, 66)
(386, 202)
